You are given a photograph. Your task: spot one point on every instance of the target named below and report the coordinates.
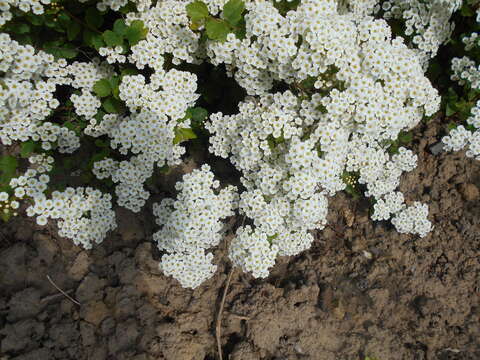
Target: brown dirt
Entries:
(362, 290)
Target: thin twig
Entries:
(53, 297)
(218, 327)
(63, 292)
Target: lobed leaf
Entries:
(102, 88)
(197, 11)
(217, 29)
(232, 11)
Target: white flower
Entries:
(3, 196)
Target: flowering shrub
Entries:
(191, 224)
(466, 72)
(331, 96)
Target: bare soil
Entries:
(362, 290)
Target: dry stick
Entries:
(218, 328)
(63, 292)
(52, 297)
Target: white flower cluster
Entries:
(293, 152)
(168, 32)
(113, 54)
(428, 22)
(191, 224)
(413, 220)
(252, 251)
(27, 97)
(116, 5)
(148, 133)
(293, 147)
(35, 6)
(460, 137)
(8, 205)
(466, 72)
(83, 76)
(281, 179)
(83, 214)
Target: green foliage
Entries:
(460, 105)
(136, 32)
(119, 27)
(273, 142)
(232, 11)
(112, 39)
(27, 148)
(197, 114)
(183, 134)
(102, 88)
(285, 6)
(197, 11)
(93, 17)
(351, 181)
(113, 106)
(404, 138)
(8, 169)
(271, 238)
(216, 28)
(73, 30)
(60, 49)
(93, 39)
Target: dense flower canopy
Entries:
(329, 91)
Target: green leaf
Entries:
(449, 111)
(119, 27)
(405, 137)
(36, 20)
(197, 11)
(5, 216)
(241, 30)
(128, 71)
(50, 21)
(8, 167)
(183, 134)
(136, 32)
(93, 17)
(164, 169)
(112, 39)
(114, 84)
(68, 163)
(27, 148)
(232, 11)
(21, 28)
(63, 20)
(270, 238)
(96, 41)
(102, 88)
(467, 11)
(99, 116)
(130, 7)
(470, 127)
(73, 29)
(113, 106)
(197, 114)
(217, 29)
(25, 39)
(60, 50)
(284, 6)
(101, 143)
